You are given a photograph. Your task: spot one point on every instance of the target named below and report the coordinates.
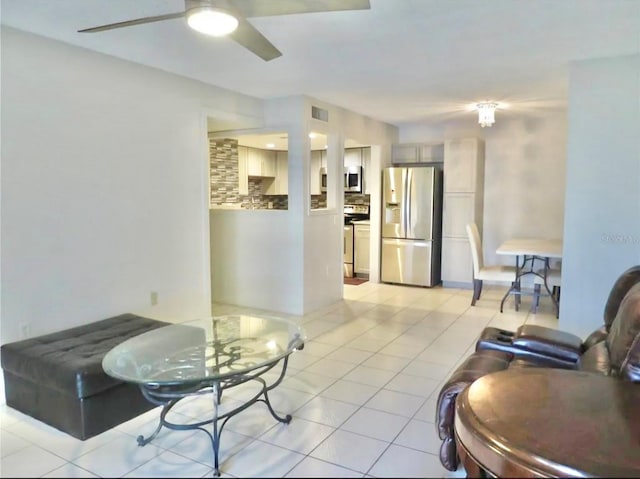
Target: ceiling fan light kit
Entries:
(214, 18)
(211, 21)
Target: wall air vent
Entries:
(319, 114)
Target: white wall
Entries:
(254, 260)
(104, 195)
(104, 170)
(525, 171)
(602, 215)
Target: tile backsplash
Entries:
(223, 171)
(224, 176)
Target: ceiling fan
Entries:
(229, 17)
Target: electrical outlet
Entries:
(154, 298)
(25, 329)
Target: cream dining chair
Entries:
(482, 272)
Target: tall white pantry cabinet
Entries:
(463, 199)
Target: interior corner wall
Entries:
(525, 172)
(314, 243)
(104, 187)
(602, 205)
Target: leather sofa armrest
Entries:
(630, 369)
(596, 359)
(598, 335)
(475, 366)
(548, 342)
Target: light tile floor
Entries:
(362, 394)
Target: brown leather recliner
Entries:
(617, 354)
(551, 347)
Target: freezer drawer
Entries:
(406, 262)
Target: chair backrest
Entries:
(476, 247)
(619, 290)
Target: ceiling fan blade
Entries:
(250, 38)
(130, 23)
(268, 8)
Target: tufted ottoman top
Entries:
(71, 360)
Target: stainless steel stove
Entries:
(351, 213)
(355, 213)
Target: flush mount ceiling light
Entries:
(486, 113)
(211, 21)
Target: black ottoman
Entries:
(58, 378)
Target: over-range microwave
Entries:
(352, 179)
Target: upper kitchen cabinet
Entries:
(261, 162)
(280, 184)
(402, 153)
(464, 165)
(352, 157)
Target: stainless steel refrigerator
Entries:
(411, 225)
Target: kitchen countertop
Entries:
(226, 206)
(361, 222)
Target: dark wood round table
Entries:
(543, 422)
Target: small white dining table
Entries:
(531, 250)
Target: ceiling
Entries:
(279, 140)
(402, 61)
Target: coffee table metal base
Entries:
(169, 396)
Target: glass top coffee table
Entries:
(206, 356)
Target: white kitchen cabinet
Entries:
(405, 153)
(402, 153)
(463, 200)
(261, 162)
(464, 165)
(361, 248)
(431, 153)
(457, 266)
(459, 209)
(243, 177)
(353, 157)
(314, 171)
(280, 184)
